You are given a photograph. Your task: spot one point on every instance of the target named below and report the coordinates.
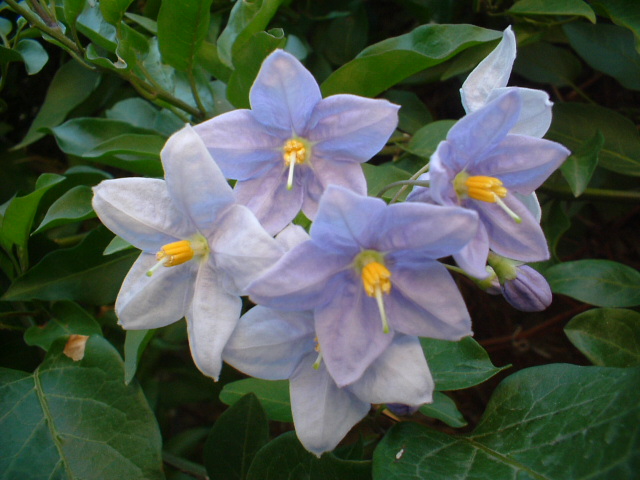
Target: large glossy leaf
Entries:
(134, 345)
(235, 438)
(607, 48)
(543, 62)
(113, 10)
(608, 337)
(21, 211)
(574, 124)
(286, 459)
(105, 140)
(247, 64)
(182, 27)
(246, 19)
(597, 282)
(624, 13)
(553, 8)
(80, 273)
(379, 176)
(70, 86)
(77, 420)
(458, 365)
(426, 140)
(67, 318)
(73, 206)
(579, 167)
(554, 422)
(274, 396)
(387, 63)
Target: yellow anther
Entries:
(294, 153)
(294, 150)
(376, 280)
(179, 252)
(376, 276)
(486, 189)
(176, 253)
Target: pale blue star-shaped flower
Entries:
(369, 270)
(278, 345)
(191, 223)
(488, 81)
(292, 143)
(483, 167)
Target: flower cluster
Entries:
(340, 308)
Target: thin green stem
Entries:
(196, 95)
(414, 183)
(415, 176)
(37, 22)
(604, 195)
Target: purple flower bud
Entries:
(401, 409)
(528, 291)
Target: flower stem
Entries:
(415, 183)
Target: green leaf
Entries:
(542, 62)
(343, 37)
(235, 439)
(8, 55)
(182, 27)
(597, 282)
(413, 114)
(609, 337)
(96, 136)
(140, 113)
(607, 48)
(425, 141)
(73, 206)
(574, 124)
(387, 63)
(444, 408)
(70, 86)
(117, 244)
(33, 54)
(379, 176)
(21, 211)
(273, 394)
(129, 143)
(80, 273)
(135, 343)
(579, 167)
(113, 10)
(553, 8)
(77, 419)
(556, 223)
(92, 24)
(68, 318)
(286, 459)
(554, 422)
(248, 62)
(133, 47)
(246, 19)
(458, 365)
(624, 13)
(72, 8)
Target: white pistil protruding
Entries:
(516, 218)
(383, 312)
(316, 364)
(159, 264)
(291, 158)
